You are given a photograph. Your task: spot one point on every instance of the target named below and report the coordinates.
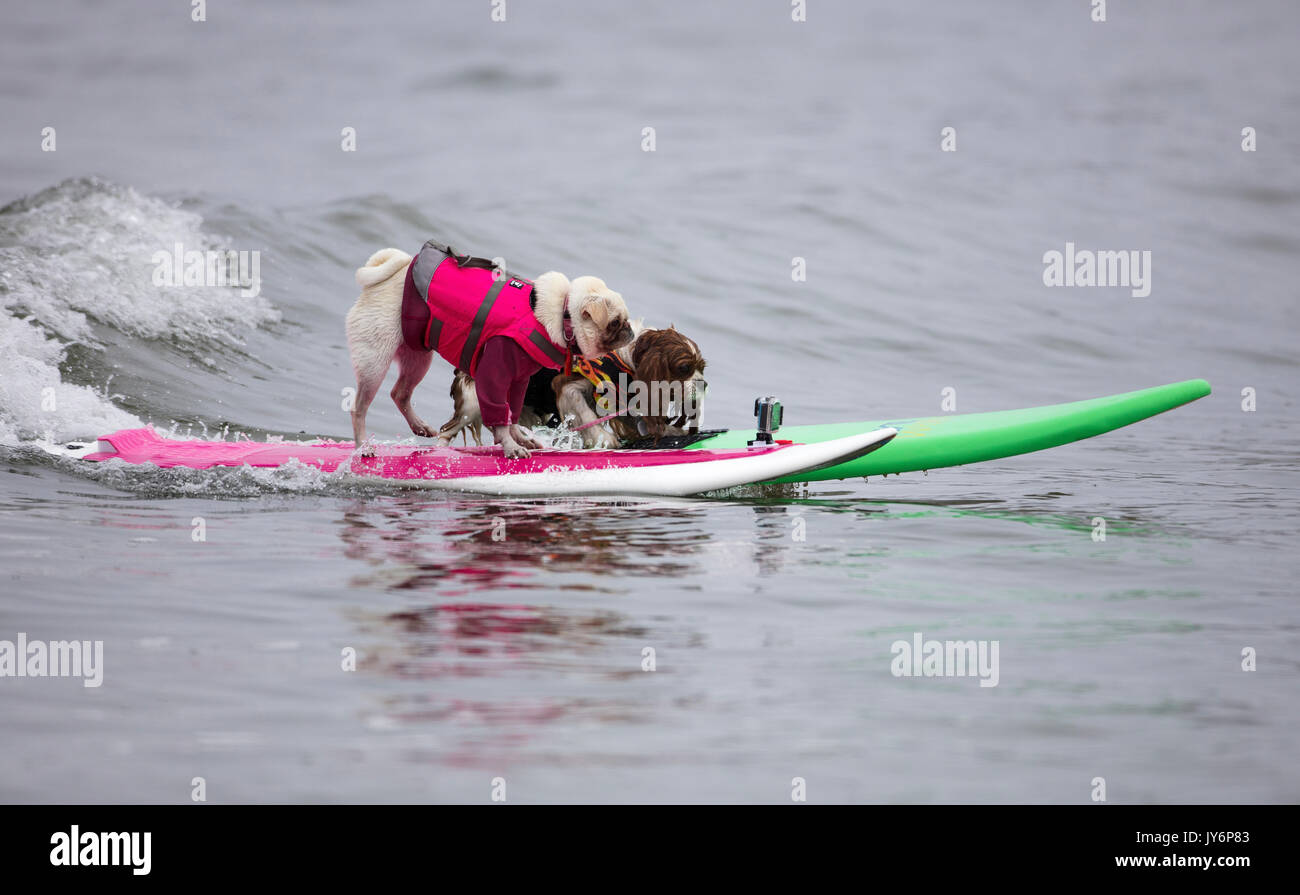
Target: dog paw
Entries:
(524, 437)
(365, 447)
(600, 439)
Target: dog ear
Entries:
(649, 359)
(652, 358)
(597, 310)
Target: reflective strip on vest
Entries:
(547, 347)
(476, 328)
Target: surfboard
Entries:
(934, 442)
(486, 470)
(688, 465)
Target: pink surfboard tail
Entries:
(389, 461)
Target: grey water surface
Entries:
(771, 614)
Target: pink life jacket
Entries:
(454, 303)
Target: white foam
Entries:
(293, 477)
(30, 385)
(560, 438)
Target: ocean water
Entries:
(522, 659)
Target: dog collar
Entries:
(568, 325)
(569, 343)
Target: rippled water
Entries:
(522, 658)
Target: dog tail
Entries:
(382, 265)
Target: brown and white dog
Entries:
(598, 317)
(657, 359)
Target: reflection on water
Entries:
(456, 548)
(1128, 521)
(450, 650)
(776, 526)
(448, 643)
(467, 639)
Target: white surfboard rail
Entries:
(670, 479)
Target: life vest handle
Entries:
(461, 260)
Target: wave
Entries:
(77, 264)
